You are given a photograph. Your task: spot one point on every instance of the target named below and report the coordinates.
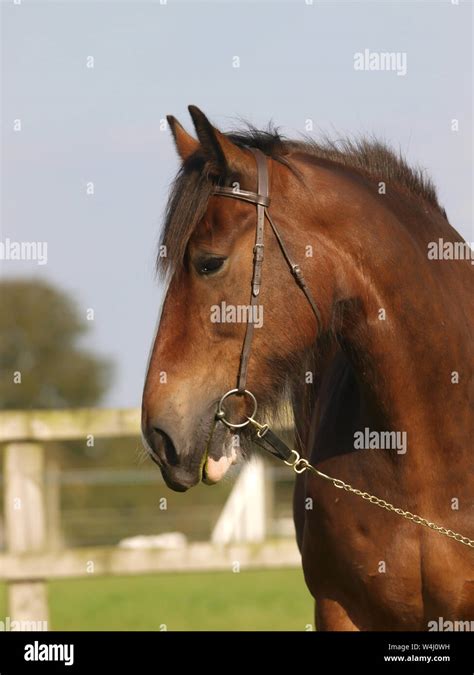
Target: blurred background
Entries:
(86, 164)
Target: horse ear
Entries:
(186, 145)
(224, 155)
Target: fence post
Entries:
(53, 502)
(244, 518)
(25, 525)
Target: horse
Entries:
(390, 357)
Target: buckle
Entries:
(258, 252)
(296, 269)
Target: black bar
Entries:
(305, 652)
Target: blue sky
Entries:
(104, 124)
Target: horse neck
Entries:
(401, 319)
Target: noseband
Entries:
(261, 199)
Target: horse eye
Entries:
(209, 265)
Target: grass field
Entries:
(253, 600)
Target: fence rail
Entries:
(31, 515)
(51, 425)
(113, 560)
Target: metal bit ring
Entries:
(221, 412)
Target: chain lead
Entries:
(299, 465)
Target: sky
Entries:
(105, 124)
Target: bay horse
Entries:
(391, 352)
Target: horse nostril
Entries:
(162, 438)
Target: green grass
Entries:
(3, 601)
(253, 600)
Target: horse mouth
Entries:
(222, 452)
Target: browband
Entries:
(245, 195)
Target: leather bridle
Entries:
(264, 436)
(261, 199)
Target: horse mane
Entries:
(193, 185)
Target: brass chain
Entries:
(300, 465)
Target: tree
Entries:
(41, 365)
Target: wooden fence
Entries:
(29, 561)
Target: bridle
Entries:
(261, 199)
(264, 436)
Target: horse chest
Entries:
(368, 562)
